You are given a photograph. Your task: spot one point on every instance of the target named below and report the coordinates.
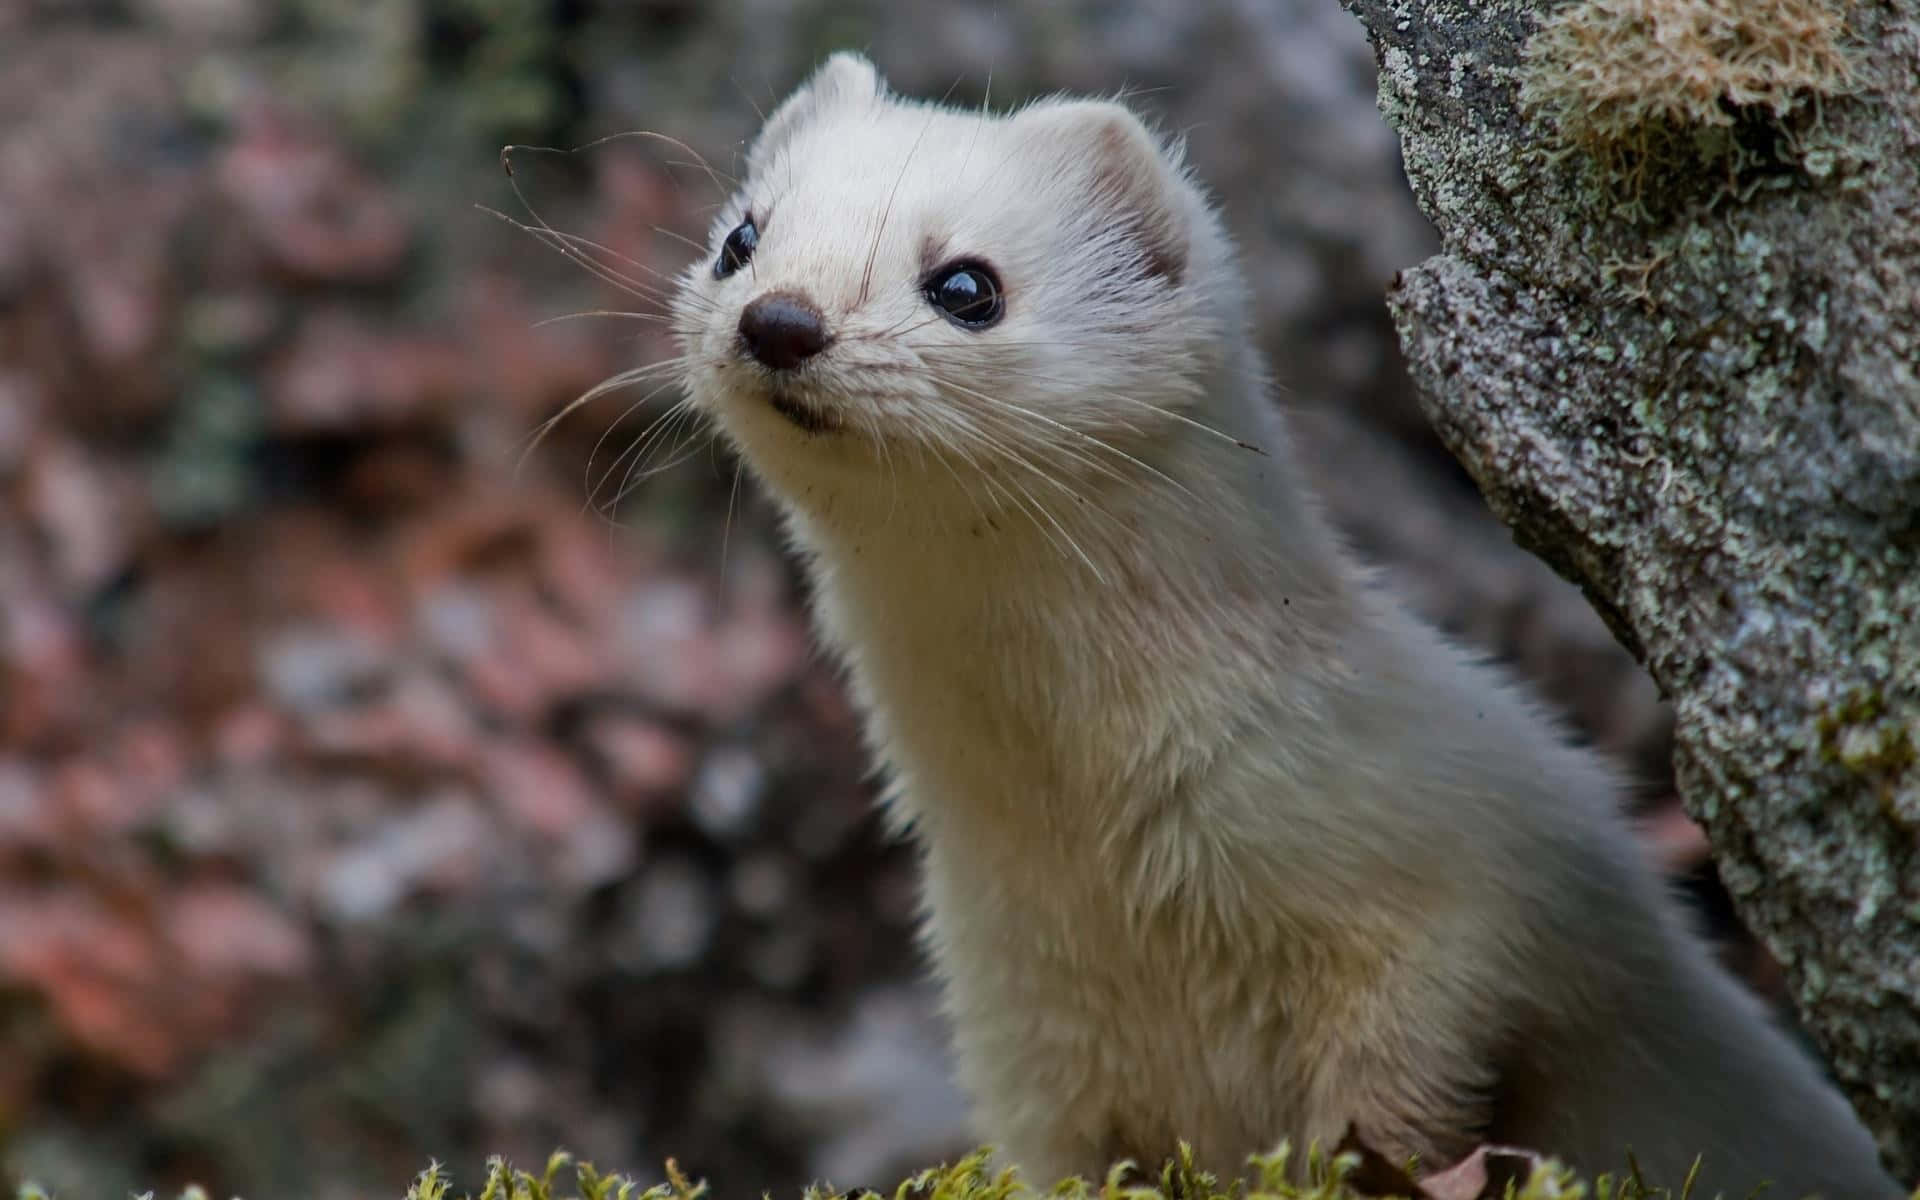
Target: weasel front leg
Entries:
(1414, 1087)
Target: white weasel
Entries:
(1219, 843)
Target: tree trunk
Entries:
(1674, 334)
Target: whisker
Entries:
(562, 244)
(929, 436)
(1082, 554)
(745, 95)
(676, 457)
(1012, 453)
(610, 384)
(625, 464)
(568, 245)
(1170, 414)
(655, 290)
(877, 436)
(599, 442)
(1115, 527)
(873, 251)
(646, 436)
(656, 318)
(700, 160)
(1026, 508)
(642, 453)
(986, 102)
(1041, 418)
(726, 527)
(683, 239)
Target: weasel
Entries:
(1219, 843)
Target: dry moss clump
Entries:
(1605, 69)
(1642, 84)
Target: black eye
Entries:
(737, 249)
(968, 293)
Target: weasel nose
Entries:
(783, 330)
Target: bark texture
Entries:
(1679, 350)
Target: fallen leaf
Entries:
(316, 216)
(1483, 1175)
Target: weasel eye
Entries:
(737, 249)
(968, 293)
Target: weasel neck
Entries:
(1109, 649)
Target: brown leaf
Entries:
(312, 212)
(221, 929)
(644, 759)
(538, 788)
(343, 375)
(1482, 1175)
(97, 971)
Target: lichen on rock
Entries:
(1674, 336)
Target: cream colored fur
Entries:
(1219, 844)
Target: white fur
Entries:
(1219, 844)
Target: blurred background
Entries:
(363, 802)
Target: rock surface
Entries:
(1682, 361)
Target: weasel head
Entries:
(915, 309)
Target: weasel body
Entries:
(1219, 843)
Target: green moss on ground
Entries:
(973, 1179)
(1346, 1176)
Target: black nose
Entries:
(783, 330)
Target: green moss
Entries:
(1338, 1177)
(973, 1179)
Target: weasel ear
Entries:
(845, 78)
(1127, 173)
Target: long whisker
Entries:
(1041, 418)
(1031, 463)
(684, 428)
(1060, 529)
(676, 457)
(879, 439)
(1012, 452)
(661, 278)
(563, 244)
(568, 245)
(1074, 454)
(683, 239)
(873, 251)
(610, 384)
(745, 95)
(643, 453)
(1025, 507)
(635, 447)
(601, 441)
(726, 527)
(654, 318)
(608, 510)
(1168, 413)
(655, 290)
(930, 437)
(700, 160)
(513, 181)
